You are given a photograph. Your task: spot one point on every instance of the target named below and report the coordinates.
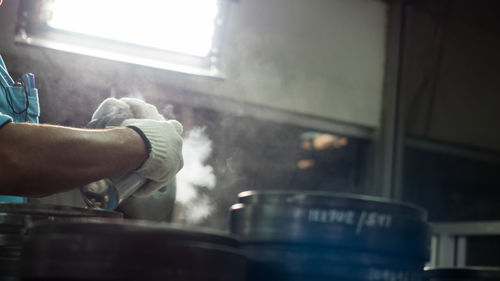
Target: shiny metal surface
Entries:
(156, 207)
(107, 194)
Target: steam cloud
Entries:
(195, 176)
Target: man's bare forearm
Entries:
(38, 160)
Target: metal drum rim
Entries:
(78, 226)
(55, 210)
(325, 195)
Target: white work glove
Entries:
(164, 142)
(111, 112)
(142, 110)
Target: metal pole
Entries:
(389, 146)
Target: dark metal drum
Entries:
(296, 235)
(15, 220)
(130, 250)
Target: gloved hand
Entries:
(164, 142)
(111, 112)
(142, 110)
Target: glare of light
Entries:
(183, 26)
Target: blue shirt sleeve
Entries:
(4, 119)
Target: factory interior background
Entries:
(389, 98)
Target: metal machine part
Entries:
(156, 207)
(330, 235)
(130, 250)
(107, 194)
(17, 218)
(452, 243)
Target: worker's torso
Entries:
(20, 102)
(17, 100)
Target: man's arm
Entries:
(38, 160)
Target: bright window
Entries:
(183, 26)
(174, 34)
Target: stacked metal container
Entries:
(16, 220)
(129, 251)
(284, 236)
(294, 235)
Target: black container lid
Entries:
(465, 273)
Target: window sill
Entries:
(122, 52)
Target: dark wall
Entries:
(450, 71)
(452, 188)
(451, 97)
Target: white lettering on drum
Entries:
(363, 219)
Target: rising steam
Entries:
(195, 177)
